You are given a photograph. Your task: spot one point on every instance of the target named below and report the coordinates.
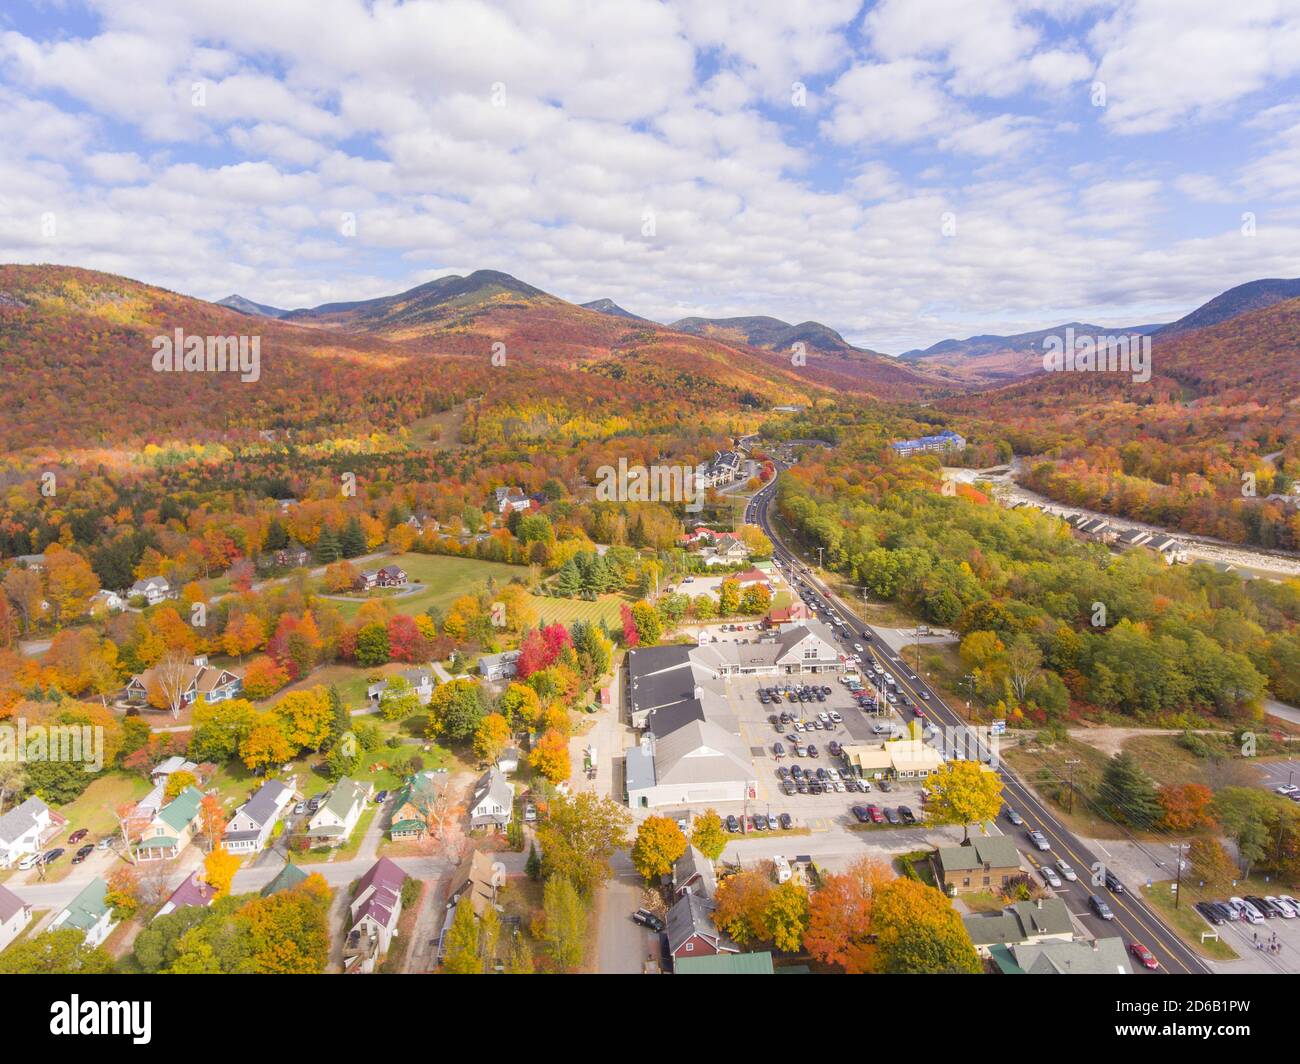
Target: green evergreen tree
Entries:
(1128, 793)
(327, 548)
(353, 541)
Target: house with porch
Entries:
(373, 915)
(25, 829)
(492, 803)
(253, 822)
(415, 802)
(153, 589)
(332, 823)
(171, 829)
(194, 681)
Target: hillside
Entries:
(992, 359)
(1254, 295)
(247, 306)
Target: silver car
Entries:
(1039, 840)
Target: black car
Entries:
(764, 697)
(1209, 911)
(778, 750)
(822, 775)
(733, 825)
(1113, 884)
(835, 748)
(774, 720)
(812, 751)
(53, 855)
(814, 787)
(821, 697)
(802, 786)
(861, 814)
(83, 853)
(787, 787)
(760, 822)
(906, 815)
(648, 919)
(1267, 909)
(891, 816)
(786, 718)
(1100, 907)
(782, 773)
(796, 771)
(786, 821)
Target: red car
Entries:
(77, 836)
(1143, 955)
(877, 817)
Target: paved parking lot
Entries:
(854, 727)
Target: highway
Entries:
(1133, 919)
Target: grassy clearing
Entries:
(444, 580)
(94, 810)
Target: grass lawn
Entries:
(348, 850)
(1044, 767)
(95, 808)
(1186, 920)
(444, 578)
(982, 901)
(603, 610)
(351, 680)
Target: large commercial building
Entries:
(692, 750)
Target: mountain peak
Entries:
(247, 306)
(608, 306)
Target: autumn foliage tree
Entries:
(659, 842)
(840, 929)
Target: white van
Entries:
(782, 867)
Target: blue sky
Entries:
(948, 167)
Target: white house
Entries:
(106, 602)
(250, 828)
(375, 910)
(14, 916)
(333, 822)
(510, 499)
(152, 589)
(492, 803)
(24, 829)
(90, 912)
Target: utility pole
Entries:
(1178, 886)
(1070, 765)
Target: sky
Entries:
(903, 171)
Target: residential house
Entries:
(333, 822)
(692, 871)
(164, 769)
(25, 829)
(1173, 551)
(493, 667)
(106, 602)
(422, 683)
(391, 576)
(365, 580)
(195, 681)
(691, 930)
(375, 909)
(477, 878)
(795, 612)
(414, 804)
(289, 877)
(89, 912)
(1031, 922)
(492, 803)
(508, 762)
(1100, 956)
(510, 499)
(193, 891)
(752, 577)
(1132, 537)
(171, 829)
(725, 964)
(34, 562)
(15, 914)
(250, 828)
(293, 556)
(727, 548)
(153, 589)
(982, 864)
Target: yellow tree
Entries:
(659, 842)
(219, 870)
(307, 717)
(550, 757)
(963, 792)
(491, 737)
(265, 744)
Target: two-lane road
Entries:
(1133, 920)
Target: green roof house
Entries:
(290, 876)
(984, 863)
(1101, 956)
(1025, 922)
(333, 822)
(725, 964)
(90, 912)
(171, 829)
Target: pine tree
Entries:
(327, 548)
(276, 537)
(353, 541)
(568, 581)
(534, 864)
(1129, 793)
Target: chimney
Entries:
(1040, 903)
(1095, 946)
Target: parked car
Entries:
(891, 816)
(82, 853)
(53, 855)
(782, 772)
(778, 751)
(906, 815)
(1039, 840)
(106, 843)
(877, 817)
(381, 798)
(1284, 907)
(77, 836)
(1099, 906)
(733, 825)
(787, 787)
(812, 750)
(1246, 911)
(760, 822)
(31, 860)
(861, 814)
(835, 748)
(646, 918)
(886, 786)
(786, 821)
(1143, 956)
(1210, 911)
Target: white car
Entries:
(1248, 912)
(1049, 874)
(1287, 788)
(30, 861)
(1288, 912)
(857, 647)
(836, 718)
(1067, 871)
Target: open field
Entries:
(444, 580)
